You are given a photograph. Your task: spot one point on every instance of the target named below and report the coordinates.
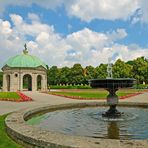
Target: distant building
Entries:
(24, 72)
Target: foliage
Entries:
(77, 74)
(141, 86)
(89, 73)
(5, 141)
(101, 71)
(122, 70)
(70, 87)
(140, 70)
(64, 75)
(53, 75)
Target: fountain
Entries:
(112, 85)
(84, 124)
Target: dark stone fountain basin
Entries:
(114, 83)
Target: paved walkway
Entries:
(45, 99)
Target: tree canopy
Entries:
(77, 74)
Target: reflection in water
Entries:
(113, 130)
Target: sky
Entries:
(65, 32)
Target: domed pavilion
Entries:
(24, 72)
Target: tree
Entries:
(122, 70)
(53, 75)
(64, 76)
(140, 69)
(77, 74)
(101, 71)
(90, 72)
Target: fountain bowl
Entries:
(112, 83)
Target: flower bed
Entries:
(22, 98)
(130, 95)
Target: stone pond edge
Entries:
(31, 136)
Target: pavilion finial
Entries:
(25, 51)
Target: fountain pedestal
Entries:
(112, 85)
(112, 101)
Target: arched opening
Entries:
(8, 82)
(27, 82)
(39, 82)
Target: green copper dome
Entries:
(25, 61)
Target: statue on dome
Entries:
(25, 51)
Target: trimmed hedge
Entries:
(69, 87)
(141, 86)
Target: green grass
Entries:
(9, 95)
(98, 94)
(5, 141)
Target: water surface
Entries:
(89, 122)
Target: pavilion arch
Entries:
(27, 82)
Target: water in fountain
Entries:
(109, 69)
(89, 122)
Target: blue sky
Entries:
(76, 31)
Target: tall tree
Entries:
(89, 73)
(53, 75)
(64, 76)
(140, 69)
(101, 71)
(77, 74)
(122, 70)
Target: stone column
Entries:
(21, 81)
(12, 83)
(34, 82)
(4, 83)
(44, 83)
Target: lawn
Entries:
(96, 94)
(5, 141)
(9, 95)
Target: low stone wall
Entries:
(31, 136)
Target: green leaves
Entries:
(77, 74)
(122, 70)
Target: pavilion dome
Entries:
(25, 60)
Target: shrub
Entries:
(69, 87)
(141, 86)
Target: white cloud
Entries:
(84, 46)
(117, 35)
(33, 17)
(88, 10)
(144, 10)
